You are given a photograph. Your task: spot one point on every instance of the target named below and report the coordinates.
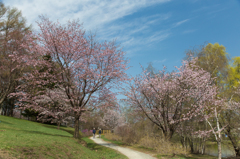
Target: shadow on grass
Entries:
(38, 132)
(64, 129)
(60, 128)
(4, 122)
(94, 146)
(43, 133)
(70, 131)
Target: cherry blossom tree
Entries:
(167, 99)
(53, 106)
(112, 119)
(86, 69)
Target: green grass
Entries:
(25, 139)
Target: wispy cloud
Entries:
(180, 22)
(103, 16)
(160, 36)
(217, 10)
(137, 32)
(189, 31)
(135, 26)
(92, 12)
(212, 8)
(159, 61)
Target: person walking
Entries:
(94, 131)
(100, 133)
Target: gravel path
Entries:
(131, 154)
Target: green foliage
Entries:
(30, 113)
(214, 59)
(50, 70)
(234, 74)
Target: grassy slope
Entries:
(25, 139)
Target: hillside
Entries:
(25, 139)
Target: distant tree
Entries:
(30, 113)
(214, 59)
(112, 119)
(233, 80)
(151, 70)
(13, 30)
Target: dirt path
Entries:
(131, 154)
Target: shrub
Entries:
(86, 132)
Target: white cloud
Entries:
(104, 16)
(138, 25)
(159, 61)
(180, 22)
(137, 33)
(159, 36)
(93, 13)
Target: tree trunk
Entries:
(234, 143)
(191, 145)
(76, 127)
(1, 111)
(12, 107)
(183, 142)
(7, 112)
(168, 135)
(203, 145)
(219, 149)
(58, 123)
(11, 113)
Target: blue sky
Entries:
(157, 31)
